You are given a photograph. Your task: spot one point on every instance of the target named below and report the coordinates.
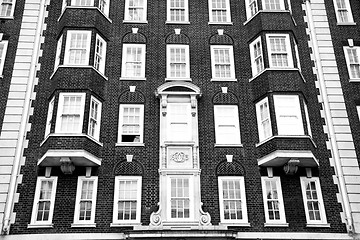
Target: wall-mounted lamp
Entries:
(66, 166)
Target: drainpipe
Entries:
(24, 120)
(335, 151)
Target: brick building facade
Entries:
(207, 119)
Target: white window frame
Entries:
(141, 123)
(8, 2)
(227, 9)
(252, 7)
(100, 54)
(263, 133)
(138, 180)
(96, 119)
(347, 9)
(173, 120)
(288, 50)
(79, 199)
(236, 139)
(349, 63)
(190, 197)
(58, 52)
(49, 118)
(64, 5)
(90, 3)
(34, 221)
(358, 111)
(124, 73)
(186, 12)
(280, 200)
(298, 127)
(104, 8)
(86, 48)
(3, 56)
(60, 112)
(255, 67)
(307, 119)
(244, 216)
(127, 13)
(168, 61)
(281, 3)
(304, 181)
(230, 50)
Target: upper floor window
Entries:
(352, 62)
(279, 51)
(82, 2)
(100, 52)
(273, 4)
(256, 55)
(127, 200)
(179, 122)
(135, 10)
(251, 8)
(44, 201)
(94, 118)
(131, 123)
(177, 11)
(103, 5)
(181, 197)
(263, 119)
(85, 200)
(133, 61)
(3, 49)
(49, 118)
(222, 62)
(219, 11)
(343, 11)
(7, 8)
(313, 201)
(58, 52)
(178, 62)
(227, 130)
(232, 200)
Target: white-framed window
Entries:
(58, 52)
(44, 201)
(94, 118)
(307, 119)
(352, 61)
(232, 199)
(273, 5)
(127, 200)
(343, 11)
(100, 54)
(251, 8)
(70, 113)
(273, 200)
(313, 200)
(77, 49)
(49, 118)
(82, 2)
(288, 115)
(131, 123)
(178, 62)
(104, 6)
(263, 119)
(7, 8)
(180, 198)
(219, 11)
(222, 62)
(133, 61)
(179, 122)
(256, 55)
(177, 11)
(3, 49)
(135, 10)
(64, 5)
(227, 130)
(85, 200)
(279, 51)
(358, 111)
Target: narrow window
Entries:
(85, 200)
(232, 200)
(273, 200)
(307, 119)
(343, 11)
(177, 11)
(135, 10)
(131, 123)
(227, 130)
(352, 60)
(251, 8)
(222, 59)
(263, 119)
(180, 198)
(279, 51)
(77, 47)
(179, 122)
(256, 54)
(58, 52)
(94, 118)
(3, 49)
(273, 5)
(6, 8)
(100, 53)
(49, 119)
(178, 65)
(127, 199)
(219, 11)
(104, 6)
(44, 201)
(133, 61)
(358, 111)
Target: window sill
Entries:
(38, 225)
(223, 80)
(137, 22)
(278, 69)
(276, 224)
(124, 224)
(78, 66)
(318, 225)
(227, 145)
(174, 22)
(83, 225)
(129, 144)
(260, 11)
(178, 79)
(354, 79)
(235, 224)
(220, 23)
(70, 135)
(133, 78)
(6, 17)
(346, 23)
